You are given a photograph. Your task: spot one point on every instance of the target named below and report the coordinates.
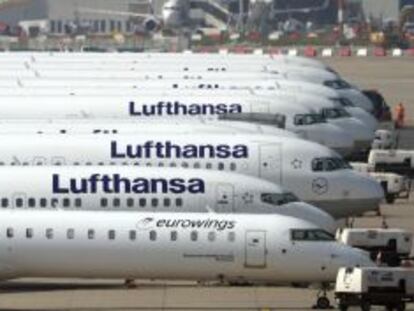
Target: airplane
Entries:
(310, 123)
(228, 248)
(291, 73)
(154, 107)
(327, 97)
(90, 58)
(207, 192)
(316, 174)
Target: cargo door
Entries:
(271, 162)
(255, 253)
(225, 197)
(19, 200)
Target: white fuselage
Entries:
(249, 248)
(149, 189)
(200, 107)
(313, 172)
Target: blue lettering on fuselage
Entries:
(115, 183)
(179, 109)
(168, 150)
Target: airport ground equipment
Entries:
(396, 161)
(383, 286)
(395, 186)
(385, 139)
(393, 244)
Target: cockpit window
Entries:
(335, 113)
(308, 119)
(279, 198)
(342, 101)
(327, 164)
(337, 84)
(311, 235)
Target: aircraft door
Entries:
(19, 200)
(255, 253)
(225, 197)
(271, 162)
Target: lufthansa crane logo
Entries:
(320, 185)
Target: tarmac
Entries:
(394, 77)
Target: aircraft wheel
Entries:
(323, 303)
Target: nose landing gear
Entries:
(322, 301)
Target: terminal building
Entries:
(61, 13)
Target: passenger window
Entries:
(220, 166)
(173, 235)
(78, 202)
(111, 234)
(167, 202)
(152, 235)
(209, 166)
(130, 202)
(197, 165)
(172, 164)
(132, 235)
(161, 164)
(70, 234)
(179, 202)
(91, 234)
(116, 202)
(142, 202)
(49, 234)
(43, 202)
(233, 166)
(66, 202)
(31, 202)
(231, 237)
(194, 236)
(54, 202)
(211, 236)
(4, 202)
(184, 165)
(10, 233)
(104, 202)
(154, 202)
(29, 233)
(19, 202)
